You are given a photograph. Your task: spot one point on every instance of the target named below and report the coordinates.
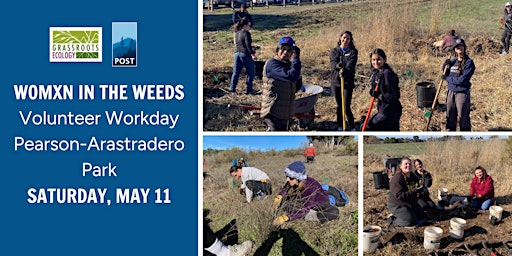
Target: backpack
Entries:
(336, 195)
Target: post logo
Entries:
(124, 44)
(75, 44)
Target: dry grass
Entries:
(451, 164)
(405, 30)
(221, 196)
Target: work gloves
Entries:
(280, 220)
(375, 94)
(296, 52)
(446, 69)
(277, 201)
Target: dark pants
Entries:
(256, 185)
(348, 101)
(384, 122)
(505, 39)
(426, 203)
(208, 235)
(275, 124)
(310, 159)
(326, 212)
(406, 216)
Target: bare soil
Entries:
(409, 241)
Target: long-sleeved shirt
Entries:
(482, 188)
(402, 190)
(460, 82)
(244, 42)
(312, 196)
(310, 151)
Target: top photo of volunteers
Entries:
(355, 66)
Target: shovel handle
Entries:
(370, 109)
(435, 99)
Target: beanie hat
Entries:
(458, 42)
(287, 40)
(296, 170)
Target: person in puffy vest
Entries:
(280, 77)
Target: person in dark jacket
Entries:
(507, 29)
(281, 80)
(482, 189)
(458, 100)
(425, 180)
(403, 197)
(343, 58)
(244, 57)
(302, 197)
(242, 14)
(387, 95)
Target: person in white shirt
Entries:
(255, 182)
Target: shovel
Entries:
(471, 252)
(342, 83)
(370, 108)
(507, 248)
(430, 113)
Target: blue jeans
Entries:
(482, 205)
(242, 60)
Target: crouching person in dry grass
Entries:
(302, 197)
(403, 197)
(255, 182)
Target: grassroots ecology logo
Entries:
(124, 44)
(75, 44)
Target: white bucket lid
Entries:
(433, 231)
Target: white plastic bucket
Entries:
(442, 194)
(495, 211)
(432, 238)
(371, 236)
(457, 228)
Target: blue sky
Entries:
(123, 29)
(254, 142)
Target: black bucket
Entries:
(381, 180)
(425, 94)
(258, 66)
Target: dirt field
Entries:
(407, 241)
(413, 57)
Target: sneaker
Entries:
(240, 249)
(503, 53)
(340, 129)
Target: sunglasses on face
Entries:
(291, 178)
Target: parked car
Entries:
(259, 2)
(206, 3)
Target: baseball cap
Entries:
(287, 40)
(459, 41)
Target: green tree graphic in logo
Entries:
(86, 42)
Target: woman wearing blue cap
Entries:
(302, 197)
(281, 79)
(458, 100)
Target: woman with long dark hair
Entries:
(343, 59)
(244, 56)
(385, 89)
(458, 100)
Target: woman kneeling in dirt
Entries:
(403, 197)
(458, 100)
(425, 180)
(482, 189)
(385, 89)
(303, 197)
(280, 77)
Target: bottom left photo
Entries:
(280, 195)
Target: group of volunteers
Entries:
(282, 79)
(301, 197)
(409, 199)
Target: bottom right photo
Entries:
(437, 195)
